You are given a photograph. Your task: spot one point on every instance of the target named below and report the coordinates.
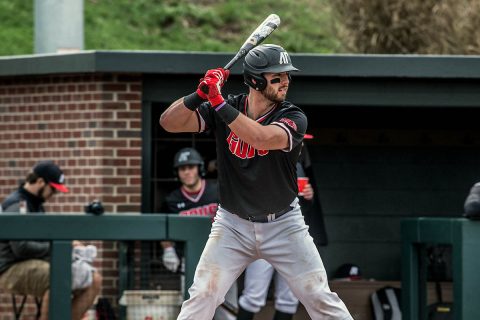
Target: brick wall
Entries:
(90, 124)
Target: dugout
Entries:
(395, 136)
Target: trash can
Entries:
(152, 304)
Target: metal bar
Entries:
(194, 231)
(82, 227)
(60, 303)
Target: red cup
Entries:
(301, 182)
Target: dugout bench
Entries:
(464, 237)
(61, 229)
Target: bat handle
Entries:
(230, 64)
(234, 60)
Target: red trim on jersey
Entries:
(289, 134)
(261, 118)
(194, 197)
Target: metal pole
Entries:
(58, 26)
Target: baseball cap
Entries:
(348, 271)
(52, 174)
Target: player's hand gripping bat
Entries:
(261, 33)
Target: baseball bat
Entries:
(261, 33)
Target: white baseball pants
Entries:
(257, 281)
(285, 243)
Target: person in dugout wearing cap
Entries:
(24, 266)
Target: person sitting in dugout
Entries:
(24, 266)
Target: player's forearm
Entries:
(258, 136)
(178, 118)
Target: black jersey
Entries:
(203, 203)
(256, 182)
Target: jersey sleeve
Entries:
(205, 115)
(294, 122)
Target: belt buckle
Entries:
(261, 219)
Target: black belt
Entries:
(269, 217)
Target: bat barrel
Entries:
(257, 37)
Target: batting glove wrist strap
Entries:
(193, 101)
(215, 99)
(227, 112)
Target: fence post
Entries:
(60, 302)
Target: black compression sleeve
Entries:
(227, 112)
(192, 101)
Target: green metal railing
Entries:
(62, 229)
(464, 237)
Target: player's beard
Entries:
(272, 94)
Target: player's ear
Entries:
(41, 181)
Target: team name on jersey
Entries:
(242, 149)
(208, 210)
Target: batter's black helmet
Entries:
(262, 59)
(189, 156)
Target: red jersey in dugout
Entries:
(256, 182)
(203, 203)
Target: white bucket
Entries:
(152, 304)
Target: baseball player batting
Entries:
(258, 140)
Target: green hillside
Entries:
(190, 25)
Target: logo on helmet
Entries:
(284, 58)
(184, 156)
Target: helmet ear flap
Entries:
(256, 82)
(175, 173)
(201, 170)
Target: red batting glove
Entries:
(202, 89)
(218, 73)
(214, 91)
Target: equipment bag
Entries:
(440, 310)
(439, 263)
(386, 304)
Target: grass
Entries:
(16, 27)
(186, 25)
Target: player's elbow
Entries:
(166, 123)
